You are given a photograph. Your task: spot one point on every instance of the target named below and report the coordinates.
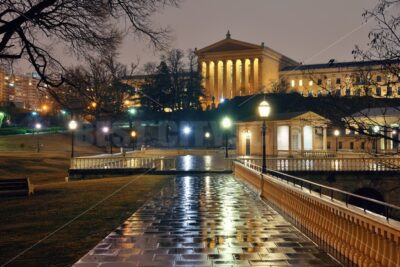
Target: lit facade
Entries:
(234, 68)
(305, 134)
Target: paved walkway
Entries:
(205, 221)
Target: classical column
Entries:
(234, 93)
(290, 140)
(324, 138)
(243, 77)
(216, 89)
(207, 79)
(260, 74)
(251, 76)
(224, 79)
(302, 139)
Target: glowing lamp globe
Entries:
(336, 132)
(72, 125)
(226, 123)
(264, 109)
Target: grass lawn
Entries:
(24, 221)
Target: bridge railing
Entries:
(120, 162)
(353, 235)
(381, 164)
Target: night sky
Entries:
(308, 31)
(300, 29)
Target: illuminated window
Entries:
(310, 83)
(293, 83)
(300, 82)
(308, 137)
(283, 137)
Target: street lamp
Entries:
(186, 131)
(72, 125)
(376, 131)
(264, 109)
(226, 125)
(133, 136)
(106, 131)
(131, 112)
(336, 133)
(38, 126)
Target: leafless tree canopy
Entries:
(27, 27)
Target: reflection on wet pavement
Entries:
(202, 163)
(205, 221)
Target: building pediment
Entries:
(229, 45)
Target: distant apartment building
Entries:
(21, 91)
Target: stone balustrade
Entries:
(347, 232)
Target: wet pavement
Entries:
(206, 220)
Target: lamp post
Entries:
(38, 126)
(336, 133)
(186, 131)
(132, 112)
(133, 136)
(264, 109)
(106, 131)
(376, 131)
(72, 125)
(226, 125)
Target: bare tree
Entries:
(96, 91)
(280, 87)
(27, 28)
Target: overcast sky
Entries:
(308, 31)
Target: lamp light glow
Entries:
(38, 126)
(72, 125)
(226, 123)
(336, 132)
(105, 129)
(187, 130)
(264, 109)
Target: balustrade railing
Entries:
(356, 236)
(119, 162)
(329, 164)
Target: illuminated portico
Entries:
(288, 134)
(234, 68)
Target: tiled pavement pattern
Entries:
(205, 221)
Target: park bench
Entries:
(15, 187)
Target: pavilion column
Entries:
(301, 139)
(243, 78)
(260, 74)
(290, 140)
(224, 79)
(324, 138)
(216, 89)
(234, 78)
(251, 76)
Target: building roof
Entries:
(378, 112)
(353, 64)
